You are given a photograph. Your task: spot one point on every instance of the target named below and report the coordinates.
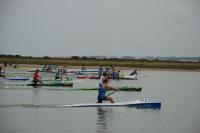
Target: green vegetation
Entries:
(84, 61)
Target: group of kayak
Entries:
(91, 74)
(103, 87)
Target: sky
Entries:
(100, 27)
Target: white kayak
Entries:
(136, 103)
(72, 80)
(130, 77)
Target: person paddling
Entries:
(57, 76)
(104, 76)
(103, 86)
(36, 77)
(100, 72)
(2, 74)
(133, 73)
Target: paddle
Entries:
(112, 93)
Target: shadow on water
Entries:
(104, 119)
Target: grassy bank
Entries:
(104, 62)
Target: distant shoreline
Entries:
(32, 66)
(95, 63)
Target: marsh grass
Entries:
(104, 62)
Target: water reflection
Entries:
(35, 95)
(104, 119)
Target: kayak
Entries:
(70, 72)
(43, 70)
(84, 72)
(136, 103)
(130, 77)
(61, 84)
(83, 77)
(121, 77)
(15, 79)
(125, 88)
(63, 80)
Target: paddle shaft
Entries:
(111, 93)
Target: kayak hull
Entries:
(137, 104)
(15, 79)
(70, 72)
(120, 88)
(120, 78)
(52, 84)
(63, 80)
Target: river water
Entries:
(177, 90)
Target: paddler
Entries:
(1, 73)
(133, 73)
(103, 77)
(103, 86)
(57, 76)
(100, 72)
(36, 77)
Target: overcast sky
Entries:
(100, 27)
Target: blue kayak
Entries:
(136, 103)
(15, 79)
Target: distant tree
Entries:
(114, 58)
(2, 55)
(18, 56)
(92, 58)
(84, 57)
(30, 57)
(46, 57)
(9, 55)
(75, 57)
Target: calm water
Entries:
(177, 90)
